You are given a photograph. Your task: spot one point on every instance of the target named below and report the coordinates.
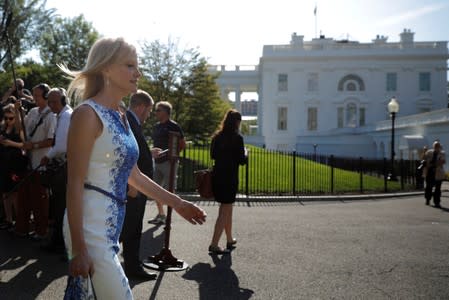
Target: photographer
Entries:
(19, 91)
(40, 125)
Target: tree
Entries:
(164, 65)
(180, 76)
(67, 41)
(27, 19)
(203, 107)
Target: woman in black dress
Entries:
(228, 152)
(11, 138)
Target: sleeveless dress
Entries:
(11, 162)
(114, 154)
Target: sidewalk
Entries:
(373, 249)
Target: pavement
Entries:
(369, 248)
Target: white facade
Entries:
(334, 94)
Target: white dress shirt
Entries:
(43, 132)
(59, 149)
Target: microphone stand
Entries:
(165, 261)
(8, 42)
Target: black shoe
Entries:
(158, 220)
(6, 225)
(427, 202)
(218, 250)
(140, 274)
(438, 205)
(231, 245)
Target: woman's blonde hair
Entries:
(11, 109)
(89, 81)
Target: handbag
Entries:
(203, 183)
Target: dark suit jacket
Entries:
(145, 161)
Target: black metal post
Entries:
(392, 176)
(361, 174)
(332, 173)
(165, 261)
(294, 173)
(247, 178)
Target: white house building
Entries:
(332, 95)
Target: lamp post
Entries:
(393, 108)
(314, 151)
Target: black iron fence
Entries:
(290, 173)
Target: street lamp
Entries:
(393, 108)
(314, 151)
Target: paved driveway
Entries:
(394, 248)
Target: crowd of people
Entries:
(77, 180)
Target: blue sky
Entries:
(233, 32)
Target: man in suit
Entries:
(140, 107)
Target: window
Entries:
(351, 115)
(362, 116)
(312, 118)
(392, 79)
(358, 83)
(282, 118)
(312, 82)
(351, 112)
(340, 114)
(424, 82)
(282, 83)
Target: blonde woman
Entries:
(101, 160)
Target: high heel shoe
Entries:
(231, 245)
(217, 250)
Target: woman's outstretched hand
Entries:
(191, 212)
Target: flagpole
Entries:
(314, 12)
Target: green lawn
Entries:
(272, 173)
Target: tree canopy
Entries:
(170, 72)
(22, 21)
(67, 41)
(180, 77)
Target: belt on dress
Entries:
(106, 193)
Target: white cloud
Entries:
(412, 14)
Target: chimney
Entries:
(407, 38)
(297, 40)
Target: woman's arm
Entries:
(10, 143)
(84, 129)
(186, 209)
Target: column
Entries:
(238, 104)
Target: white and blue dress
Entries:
(114, 154)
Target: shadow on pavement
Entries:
(32, 266)
(150, 244)
(219, 280)
(445, 209)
